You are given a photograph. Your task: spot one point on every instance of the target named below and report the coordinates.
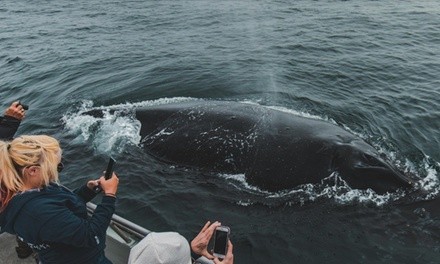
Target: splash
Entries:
(116, 129)
(239, 181)
(333, 188)
(336, 189)
(109, 133)
(431, 183)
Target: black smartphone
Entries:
(221, 238)
(25, 107)
(108, 173)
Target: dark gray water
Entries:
(371, 67)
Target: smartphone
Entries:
(25, 107)
(221, 238)
(108, 173)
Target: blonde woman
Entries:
(9, 124)
(51, 219)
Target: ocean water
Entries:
(371, 67)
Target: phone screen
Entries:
(220, 242)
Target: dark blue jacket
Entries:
(8, 127)
(54, 222)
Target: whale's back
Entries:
(274, 149)
(217, 136)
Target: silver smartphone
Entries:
(221, 238)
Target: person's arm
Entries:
(199, 245)
(64, 226)
(10, 122)
(85, 193)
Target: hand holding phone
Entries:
(108, 173)
(221, 239)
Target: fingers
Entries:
(230, 247)
(212, 227)
(110, 185)
(17, 106)
(92, 184)
(200, 243)
(114, 176)
(208, 230)
(16, 110)
(206, 226)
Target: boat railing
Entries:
(121, 224)
(123, 235)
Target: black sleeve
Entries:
(195, 256)
(8, 127)
(85, 193)
(66, 227)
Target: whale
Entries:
(275, 150)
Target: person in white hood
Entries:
(173, 248)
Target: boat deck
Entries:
(7, 251)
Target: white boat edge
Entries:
(122, 235)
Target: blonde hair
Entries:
(24, 151)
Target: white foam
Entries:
(430, 183)
(108, 133)
(245, 203)
(291, 111)
(331, 188)
(336, 189)
(116, 128)
(160, 101)
(240, 179)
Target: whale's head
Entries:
(363, 167)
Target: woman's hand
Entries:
(92, 184)
(229, 258)
(110, 186)
(16, 111)
(199, 244)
